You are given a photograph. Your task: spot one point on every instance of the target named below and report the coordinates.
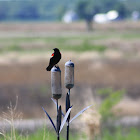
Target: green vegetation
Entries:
(84, 46)
(86, 9)
(53, 10)
(66, 44)
(111, 98)
(12, 48)
(39, 135)
(132, 134)
(95, 41)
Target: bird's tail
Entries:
(49, 68)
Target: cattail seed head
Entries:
(69, 74)
(56, 82)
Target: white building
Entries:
(106, 17)
(69, 17)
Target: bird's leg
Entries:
(56, 66)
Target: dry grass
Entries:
(92, 120)
(132, 108)
(8, 120)
(28, 69)
(77, 26)
(24, 74)
(27, 78)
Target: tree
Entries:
(122, 10)
(27, 10)
(86, 9)
(4, 9)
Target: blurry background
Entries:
(102, 38)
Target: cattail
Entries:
(69, 74)
(56, 82)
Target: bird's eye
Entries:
(52, 54)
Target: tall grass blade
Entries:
(79, 113)
(65, 119)
(50, 119)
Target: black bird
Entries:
(55, 59)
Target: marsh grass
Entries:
(13, 48)
(118, 134)
(46, 134)
(81, 42)
(66, 44)
(132, 134)
(12, 134)
(38, 135)
(8, 118)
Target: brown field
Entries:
(31, 82)
(56, 27)
(24, 75)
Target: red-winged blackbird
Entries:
(55, 59)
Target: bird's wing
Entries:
(51, 61)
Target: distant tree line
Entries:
(53, 10)
(32, 9)
(86, 9)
